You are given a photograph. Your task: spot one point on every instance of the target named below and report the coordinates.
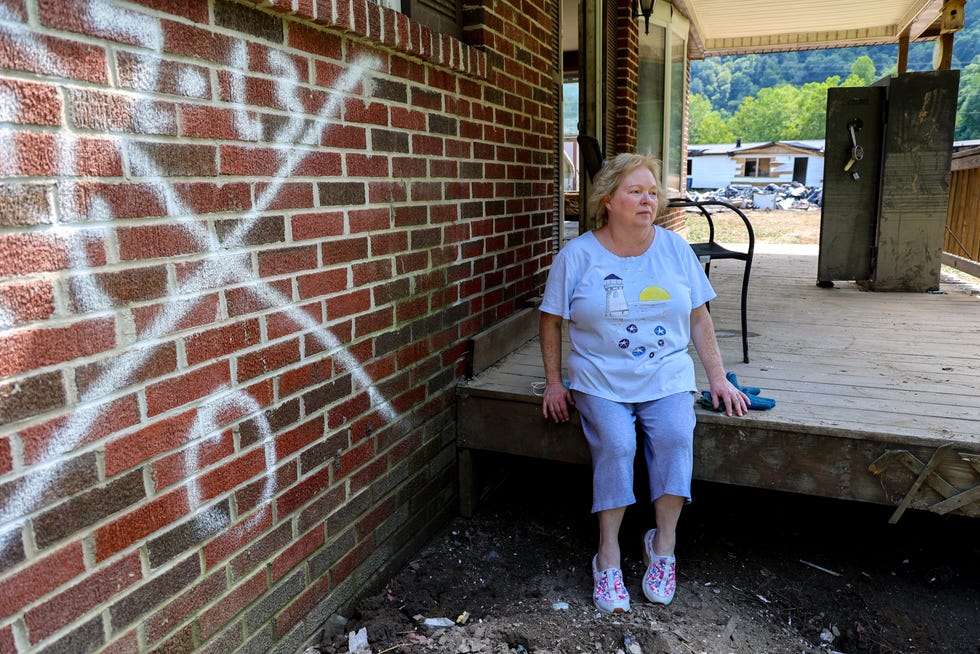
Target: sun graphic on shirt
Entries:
(654, 294)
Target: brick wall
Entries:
(242, 245)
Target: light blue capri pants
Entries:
(610, 429)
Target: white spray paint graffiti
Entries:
(218, 268)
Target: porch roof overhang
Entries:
(723, 27)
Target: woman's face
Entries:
(635, 199)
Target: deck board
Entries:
(853, 372)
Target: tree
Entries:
(864, 69)
(968, 104)
(707, 125)
(767, 116)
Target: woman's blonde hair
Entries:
(611, 175)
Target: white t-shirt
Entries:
(629, 317)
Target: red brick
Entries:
(157, 241)
(411, 308)
(306, 376)
(77, 16)
(260, 551)
(268, 359)
(319, 164)
(197, 43)
(113, 112)
(176, 315)
(122, 200)
(376, 321)
(93, 590)
(7, 643)
(299, 437)
(293, 555)
(353, 406)
(243, 300)
(190, 9)
(366, 165)
(359, 111)
(408, 119)
(35, 104)
(282, 324)
(127, 451)
(375, 270)
(22, 254)
(369, 220)
(145, 72)
(28, 350)
(387, 192)
(174, 160)
(138, 284)
(260, 230)
(206, 122)
(217, 616)
(351, 137)
(6, 456)
(26, 301)
(164, 619)
(273, 263)
(304, 491)
(251, 161)
(125, 644)
(237, 536)
(30, 396)
(206, 197)
(47, 441)
(249, 90)
(317, 225)
(180, 641)
(346, 565)
(55, 56)
(348, 304)
(25, 204)
(336, 251)
(175, 468)
(249, 496)
(314, 41)
(43, 576)
(231, 474)
(221, 341)
(291, 195)
(135, 526)
(147, 363)
(299, 609)
(95, 157)
(187, 388)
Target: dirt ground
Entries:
(759, 572)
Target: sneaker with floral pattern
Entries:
(610, 594)
(660, 579)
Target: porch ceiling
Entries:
(721, 27)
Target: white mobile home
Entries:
(756, 164)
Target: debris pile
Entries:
(792, 196)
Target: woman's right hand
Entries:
(555, 402)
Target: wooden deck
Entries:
(878, 394)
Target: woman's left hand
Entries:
(724, 393)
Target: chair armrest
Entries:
(702, 207)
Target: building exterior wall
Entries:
(712, 171)
(242, 245)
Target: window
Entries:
(443, 16)
(757, 167)
(661, 90)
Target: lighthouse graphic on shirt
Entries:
(616, 305)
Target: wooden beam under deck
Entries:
(868, 386)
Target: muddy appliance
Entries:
(886, 181)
